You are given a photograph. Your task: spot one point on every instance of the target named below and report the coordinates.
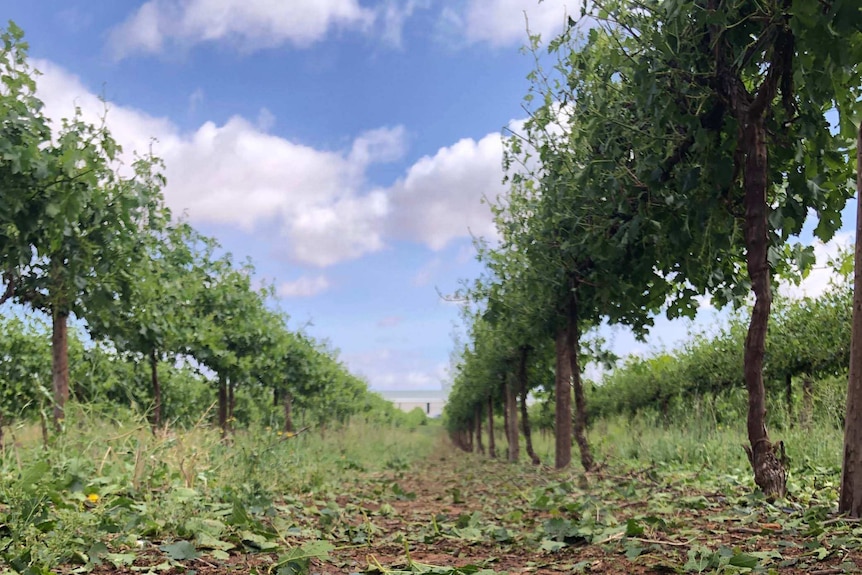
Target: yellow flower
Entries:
(93, 498)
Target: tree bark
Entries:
(563, 403)
(808, 400)
(479, 447)
(492, 446)
(60, 364)
(512, 423)
(573, 343)
(766, 459)
(850, 500)
(505, 409)
(288, 413)
(469, 434)
(788, 395)
(230, 404)
(750, 109)
(222, 405)
(157, 390)
(525, 418)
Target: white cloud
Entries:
(62, 92)
(250, 24)
(440, 198)
(239, 175)
(346, 229)
(236, 174)
(397, 369)
(819, 278)
(265, 120)
(380, 145)
(420, 380)
(303, 287)
(255, 24)
(822, 274)
(503, 22)
(394, 15)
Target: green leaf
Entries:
(551, 545)
(180, 551)
(633, 528)
(257, 541)
(744, 560)
(205, 541)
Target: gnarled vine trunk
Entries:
(60, 364)
(287, 404)
(157, 390)
(512, 422)
(222, 405)
(230, 404)
(563, 402)
(573, 342)
(479, 447)
(807, 414)
(492, 443)
(850, 501)
(766, 459)
(525, 419)
(750, 110)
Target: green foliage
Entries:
(809, 339)
(113, 493)
(81, 239)
(25, 374)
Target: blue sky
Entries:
(344, 145)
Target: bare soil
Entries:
(456, 510)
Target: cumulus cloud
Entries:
(250, 24)
(380, 145)
(418, 380)
(397, 369)
(504, 22)
(317, 201)
(237, 174)
(819, 278)
(394, 15)
(255, 24)
(441, 196)
(304, 286)
(346, 229)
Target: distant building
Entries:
(431, 401)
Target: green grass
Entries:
(106, 489)
(696, 444)
(106, 486)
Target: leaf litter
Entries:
(456, 513)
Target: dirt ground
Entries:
(460, 513)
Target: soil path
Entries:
(462, 513)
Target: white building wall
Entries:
(431, 407)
